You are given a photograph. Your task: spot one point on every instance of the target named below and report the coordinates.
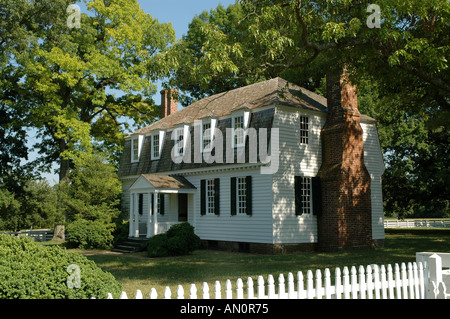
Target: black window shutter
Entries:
(161, 204)
(298, 195)
(203, 197)
(233, 195)
(152, 204)
(141, 204)
(248, 181)
(217, 196)
(316, 196)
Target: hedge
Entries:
(29, 270)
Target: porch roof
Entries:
(163, 182)
(167, 181)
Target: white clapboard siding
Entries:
(304, 160)
(373, 159)
(401, 281)
(295, 160)
(239, 228)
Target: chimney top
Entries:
(169, 103)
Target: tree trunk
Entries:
(64, 163)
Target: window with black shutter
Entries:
(302, 189)
(241, 195)
(210, 196)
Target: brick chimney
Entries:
(169, 103)
(345, 219)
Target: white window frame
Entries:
(241, 195)
(179, 132)
(160, 135)
(206, 136)
(155, 152)
(306, 189)
(210, 196)
(304, 129)
(212, 122)
(245, 115)
(136, 149)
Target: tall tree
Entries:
(401, 69)
(80, 86)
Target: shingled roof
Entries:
(276, 91)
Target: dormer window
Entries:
(179, 140)
(157, 139)
(136, 145)
(238, 130)
(206, 135)
(208, 128)
(240, 123)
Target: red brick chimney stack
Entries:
(345, 220)
(169, 103)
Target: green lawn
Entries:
(137, 271)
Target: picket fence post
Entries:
(250, 291)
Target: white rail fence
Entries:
(405, 281)
(412, 223)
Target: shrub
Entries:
(157, 246)
(179, 240)
(30, 270)
(88, 234)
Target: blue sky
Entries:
(179, 12)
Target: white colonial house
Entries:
(240, 166)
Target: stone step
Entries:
(131, 245)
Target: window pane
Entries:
(239, 130)
(206, 135)
(210, 196)
(304, 129)
(306, 195)
(135, 147)
(242, 195)
(155, 141)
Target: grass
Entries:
(137, 271)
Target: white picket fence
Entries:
(405, 281)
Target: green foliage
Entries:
(301, 40)
(40, 205)
(9, 211)
(69, 77)
(36, 206)
(33, 271)
(90, 200)
(179, 240)
(88, 234)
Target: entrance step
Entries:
(131, 245)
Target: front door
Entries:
(182, 207)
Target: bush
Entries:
(88, 234)
(179, 240)
(30, 270)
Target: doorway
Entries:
(182, 207)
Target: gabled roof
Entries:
(165, 182)
(276, 91)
